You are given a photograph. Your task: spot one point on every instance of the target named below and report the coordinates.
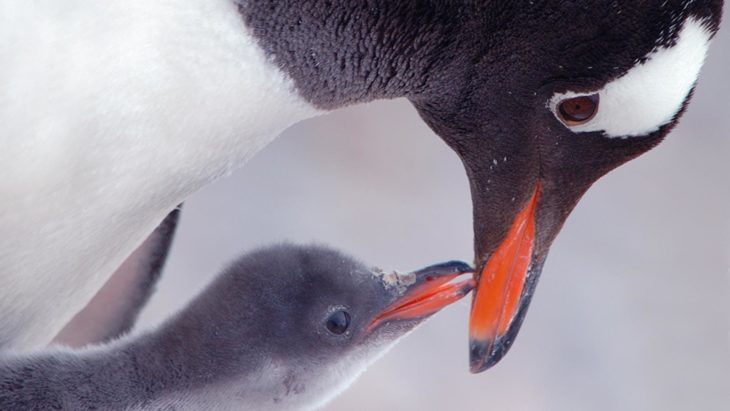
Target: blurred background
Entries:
(633, 307)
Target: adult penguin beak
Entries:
(519, 209)
(524, 183)
(505, 282)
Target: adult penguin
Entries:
(112, 113)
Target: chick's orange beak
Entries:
(432, 290)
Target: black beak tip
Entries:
(447, 268)
(480, 358)
(460, 267)
(467, 287)
(485, 354)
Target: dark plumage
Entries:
(482, 74)
(282, 327)
(538, 98)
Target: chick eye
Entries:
(578, 110)
(338, 322)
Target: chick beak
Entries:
(432, 290)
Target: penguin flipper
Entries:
(114, 309)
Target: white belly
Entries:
(111, 113)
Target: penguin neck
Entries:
(365, 50)
(191, 362)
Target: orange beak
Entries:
(498, 296)
(432, 290)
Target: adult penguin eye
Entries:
(578, 110)
(338, 322)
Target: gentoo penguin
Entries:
(112, 113)
(284, 327)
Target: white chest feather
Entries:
(111, 113)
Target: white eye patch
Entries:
(649, 95)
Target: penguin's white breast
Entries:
(111, 113)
